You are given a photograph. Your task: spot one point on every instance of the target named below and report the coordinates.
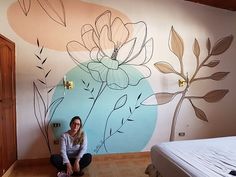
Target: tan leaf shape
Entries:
(151, 100)
(176, 44)
(222, 45)
(164, 67)
(219, 76)
(215, 95)
(200, 114)
(55, 10)
(25, 6)
(213, 63)
(164, 97)
(196, 48)
(208, 45)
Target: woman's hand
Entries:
(69, 170)
(76, 167)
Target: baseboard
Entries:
(10, 170)
(33, 162)
(119, 156)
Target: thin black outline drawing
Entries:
(124, 121)
(44, 111)
(113, 47)
(48, 8)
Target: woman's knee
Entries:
(55, 158)
(88, 156)
(86, 160)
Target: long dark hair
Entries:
(79, 136)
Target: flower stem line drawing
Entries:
(119, 104)
(55, 10)
(176, 46)
(92, 97)
(112, 48)
(101, 89)
(44, 111)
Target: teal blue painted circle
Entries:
(130, 125)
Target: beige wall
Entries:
(190, 21)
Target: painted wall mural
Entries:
(176, 46)
(114, 81)
(108, 57)
(110, 82)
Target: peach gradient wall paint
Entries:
(66, 21)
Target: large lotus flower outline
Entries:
(113, 48)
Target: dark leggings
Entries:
(57, 161)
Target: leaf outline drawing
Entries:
(54, 10)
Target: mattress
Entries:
(214, 157)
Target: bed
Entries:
(215, 157)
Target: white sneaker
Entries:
(62, 174)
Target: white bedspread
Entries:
(207, 157)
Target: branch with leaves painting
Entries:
(119, 104)
(176, 46)
(44, 111)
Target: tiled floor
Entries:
(118, 165)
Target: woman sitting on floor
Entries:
(73, 158)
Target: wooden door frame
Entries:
(11, 46)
